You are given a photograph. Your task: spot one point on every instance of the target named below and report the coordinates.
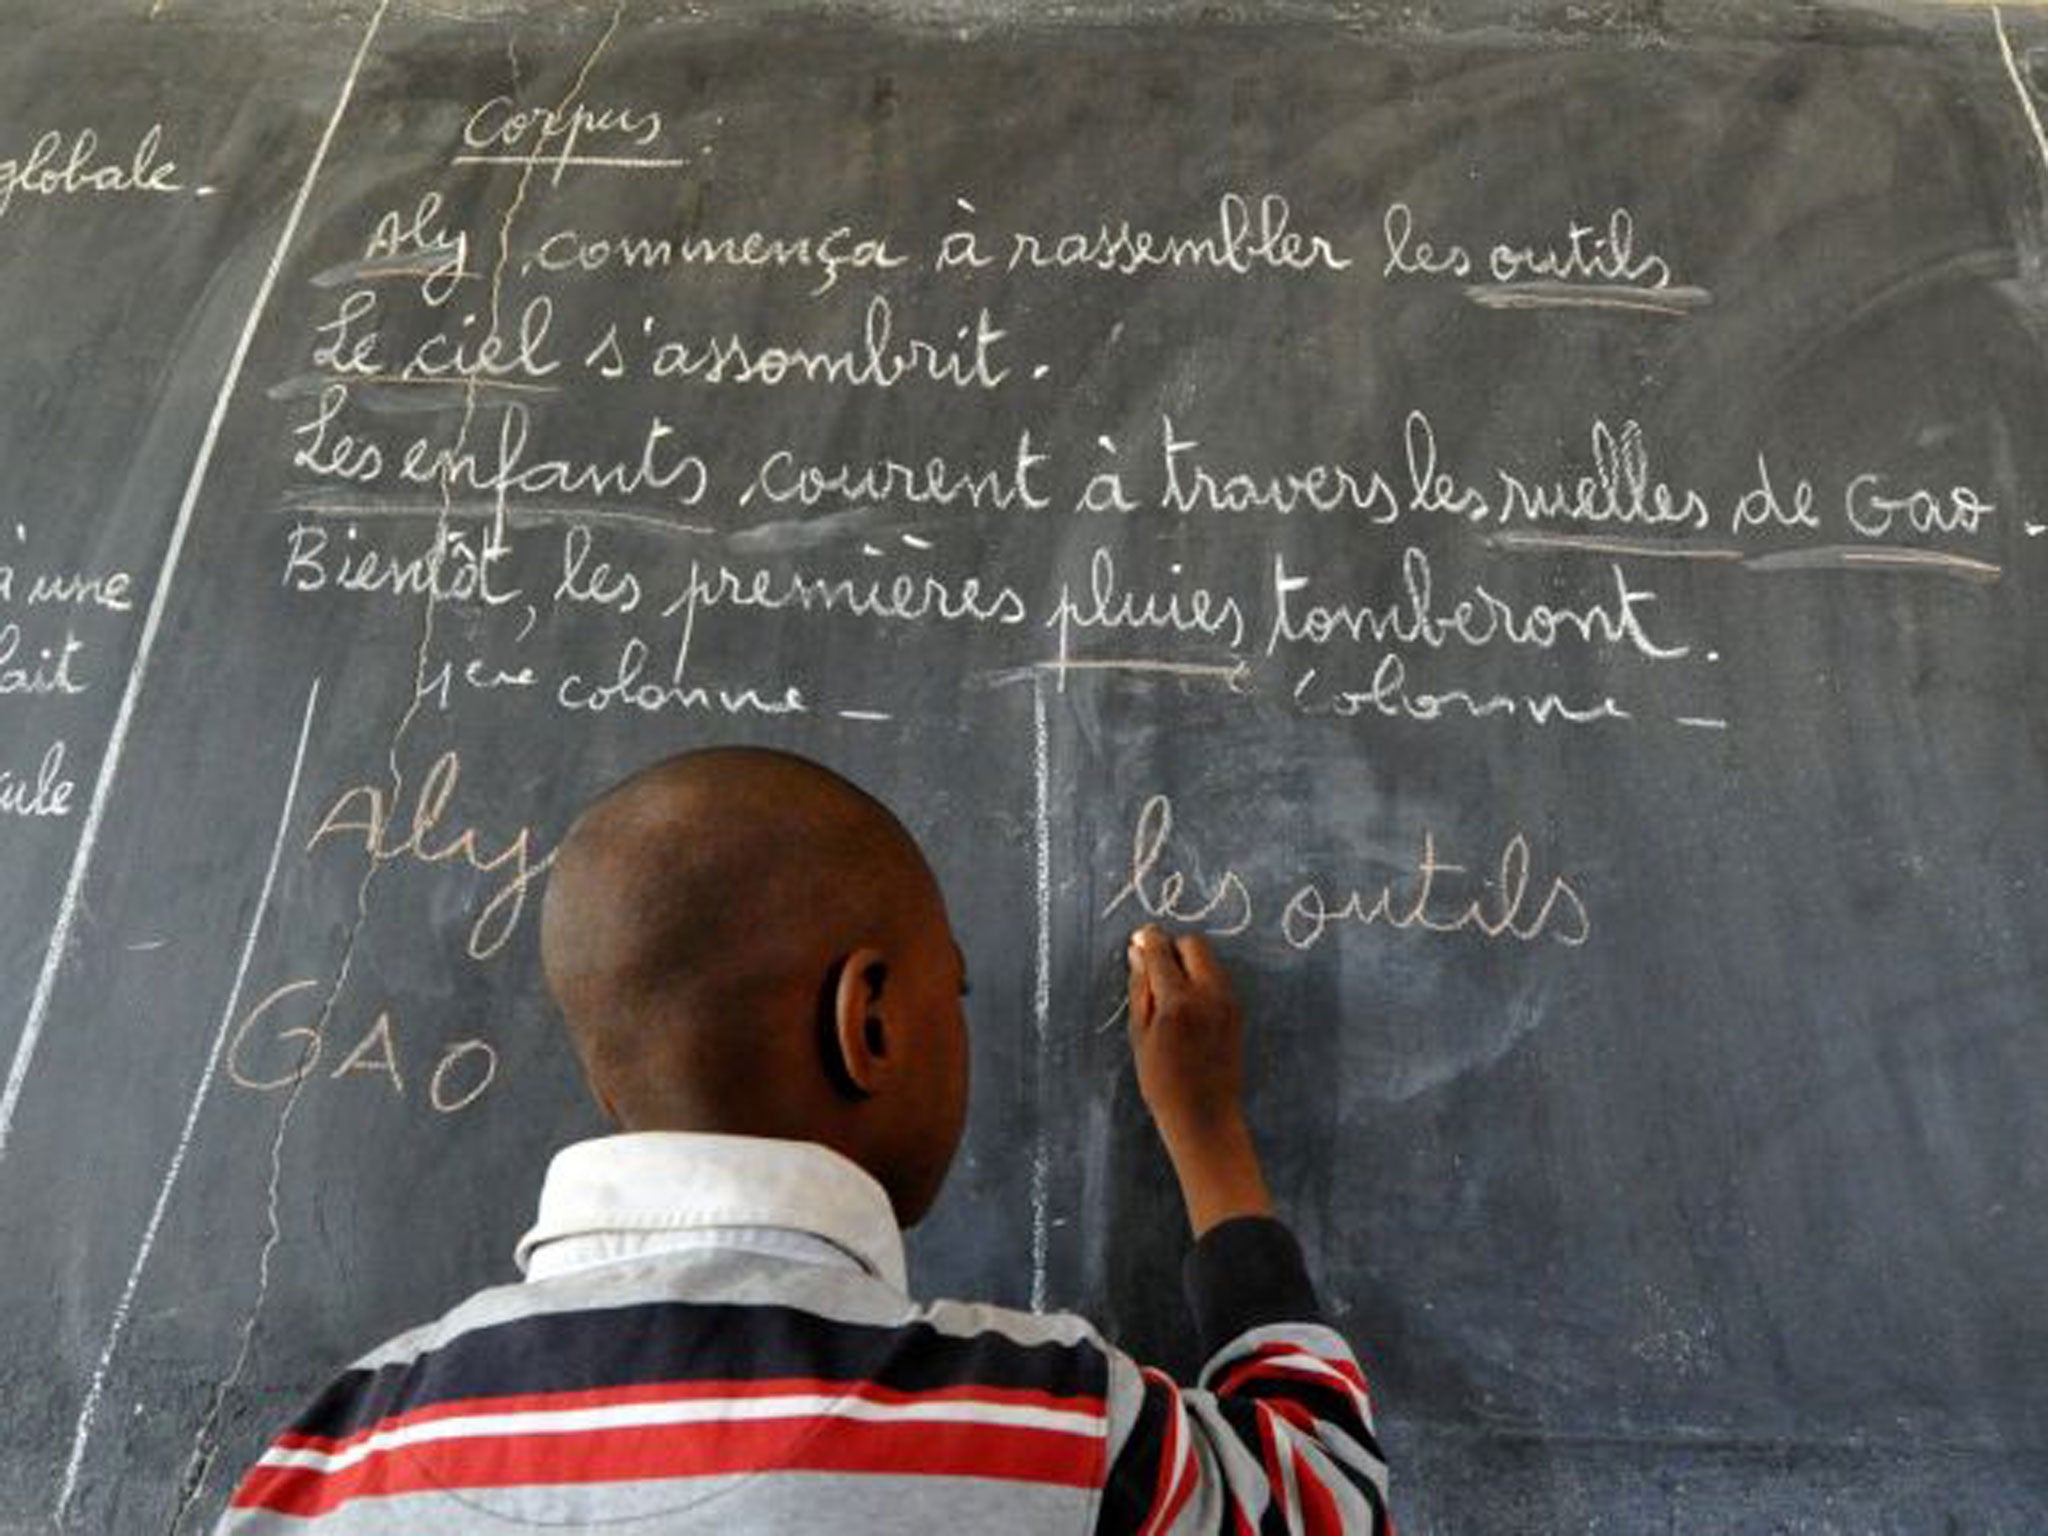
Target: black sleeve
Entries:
(1246, 1273)
(1280, 1435)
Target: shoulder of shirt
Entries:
(971, 1317)
(837, 1295)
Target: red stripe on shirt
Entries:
(1294, 1365)
(1269, 1455)
(1285, 1373)
(1184, 1490)
(1319, 1512)
(717, 1448)
(687, 1391)
(1164, 1485)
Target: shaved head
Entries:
(698, 921)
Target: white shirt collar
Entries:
(631, 1192)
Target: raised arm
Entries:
(1278, 1434)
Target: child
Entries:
(761, 983)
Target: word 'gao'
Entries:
(462, 1072)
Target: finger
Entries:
(1198, 958)
(1153, 946)
(1154, 953)
(1140, 988)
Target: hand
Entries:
(1187, 1039)
(1187, 1034)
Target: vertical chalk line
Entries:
(1041, 993)
(2019, 84)
(131, 691)
(81, 1431)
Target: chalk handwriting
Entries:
(630, 687)
(350, 345)
(328, 453)
(1109, 605)
(505, 463)
(437, 684)
(838, 251)
(1875, 509)
(374, 1053)
(501, 129)
(1409, 257)
(365, 811)
(1497, 909)
(1192, 486)
(1761, 506)
(555, 513)
(1391, 696)
(1250, 236)
(491, 355)
(783, 479)
(1434, 897)
(306, 1042)
(965, 358)
(899, 596)
(1222, 906)
(462, 1073)
(1482, 618)
(422, 244)
(1590, 253)
(458, 563)
(1601, 252)
(40, 671)
(595, 582)
(62, 164)
(1619, 490)
(42, 792)
(113, 591)
(508, 466)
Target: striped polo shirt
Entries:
(713, 1335)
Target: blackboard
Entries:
(1526, 520)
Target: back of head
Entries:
(696, 919)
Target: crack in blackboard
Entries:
(199, 1462)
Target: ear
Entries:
(860, 1028)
